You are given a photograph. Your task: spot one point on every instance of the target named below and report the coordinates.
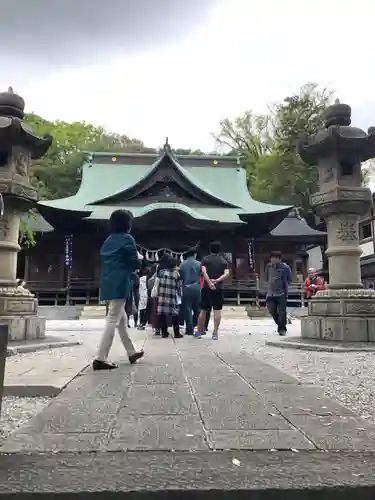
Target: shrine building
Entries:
(178, 202)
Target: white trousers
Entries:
(116, 317)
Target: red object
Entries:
(319, 282)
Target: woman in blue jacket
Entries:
(119, 259)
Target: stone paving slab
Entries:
(47, 372)
(41, 374)
(191, 395)
(261, 475)
(49, 342)
(321, 345)
(281, 439)
(154, 432)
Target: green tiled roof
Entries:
(227, 184)
(214, 214)
(36, 223)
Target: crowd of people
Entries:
(169, 293)
(174, 293)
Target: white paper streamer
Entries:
(154, 255)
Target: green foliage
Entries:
(247, 136)
(26, 234)
(55, 175)
(267, 145)
(367, 170)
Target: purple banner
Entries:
(68, 247)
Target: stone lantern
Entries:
(18, 146)
(345, 311)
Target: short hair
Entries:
(120, 221)
(276, 254)
(146, 271)
(215, 247)
(189, 253)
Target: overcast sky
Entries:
(157, 68)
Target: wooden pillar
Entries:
(261, 267)
(234, 257)
(294, 268)
(27, 267)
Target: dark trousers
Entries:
(163, 324)
(208, 316)
(135, 317)
(145, 314)
(181, 315)
(277, 308)
(191, 299)
(154, 315)
(143, 317)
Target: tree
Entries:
(293, 182)
(55, 175)
(267, 143)
(247, 136)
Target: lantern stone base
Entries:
(3, 354)
(341, 315)
(19, 312)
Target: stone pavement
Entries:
(193, 414)
(62, 355)
(192, 395)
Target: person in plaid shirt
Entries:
(168, 290)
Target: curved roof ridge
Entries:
(183, 171)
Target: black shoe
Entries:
(178, 336)
(165, 335)
(157, 332)
(137, 355)
(102, 365)
(282, 332)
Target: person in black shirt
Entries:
(215, 271)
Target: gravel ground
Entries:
(348, 377)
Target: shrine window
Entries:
(365, 230)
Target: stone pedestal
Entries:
(344, 312)
(18, 146)
(18, 307)
(19, 310)
(341, 315)
(3, 353)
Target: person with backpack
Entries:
(278, 278)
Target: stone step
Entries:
(94, 312)
(182, 476)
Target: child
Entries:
(143, 299)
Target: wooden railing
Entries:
(83, 291)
